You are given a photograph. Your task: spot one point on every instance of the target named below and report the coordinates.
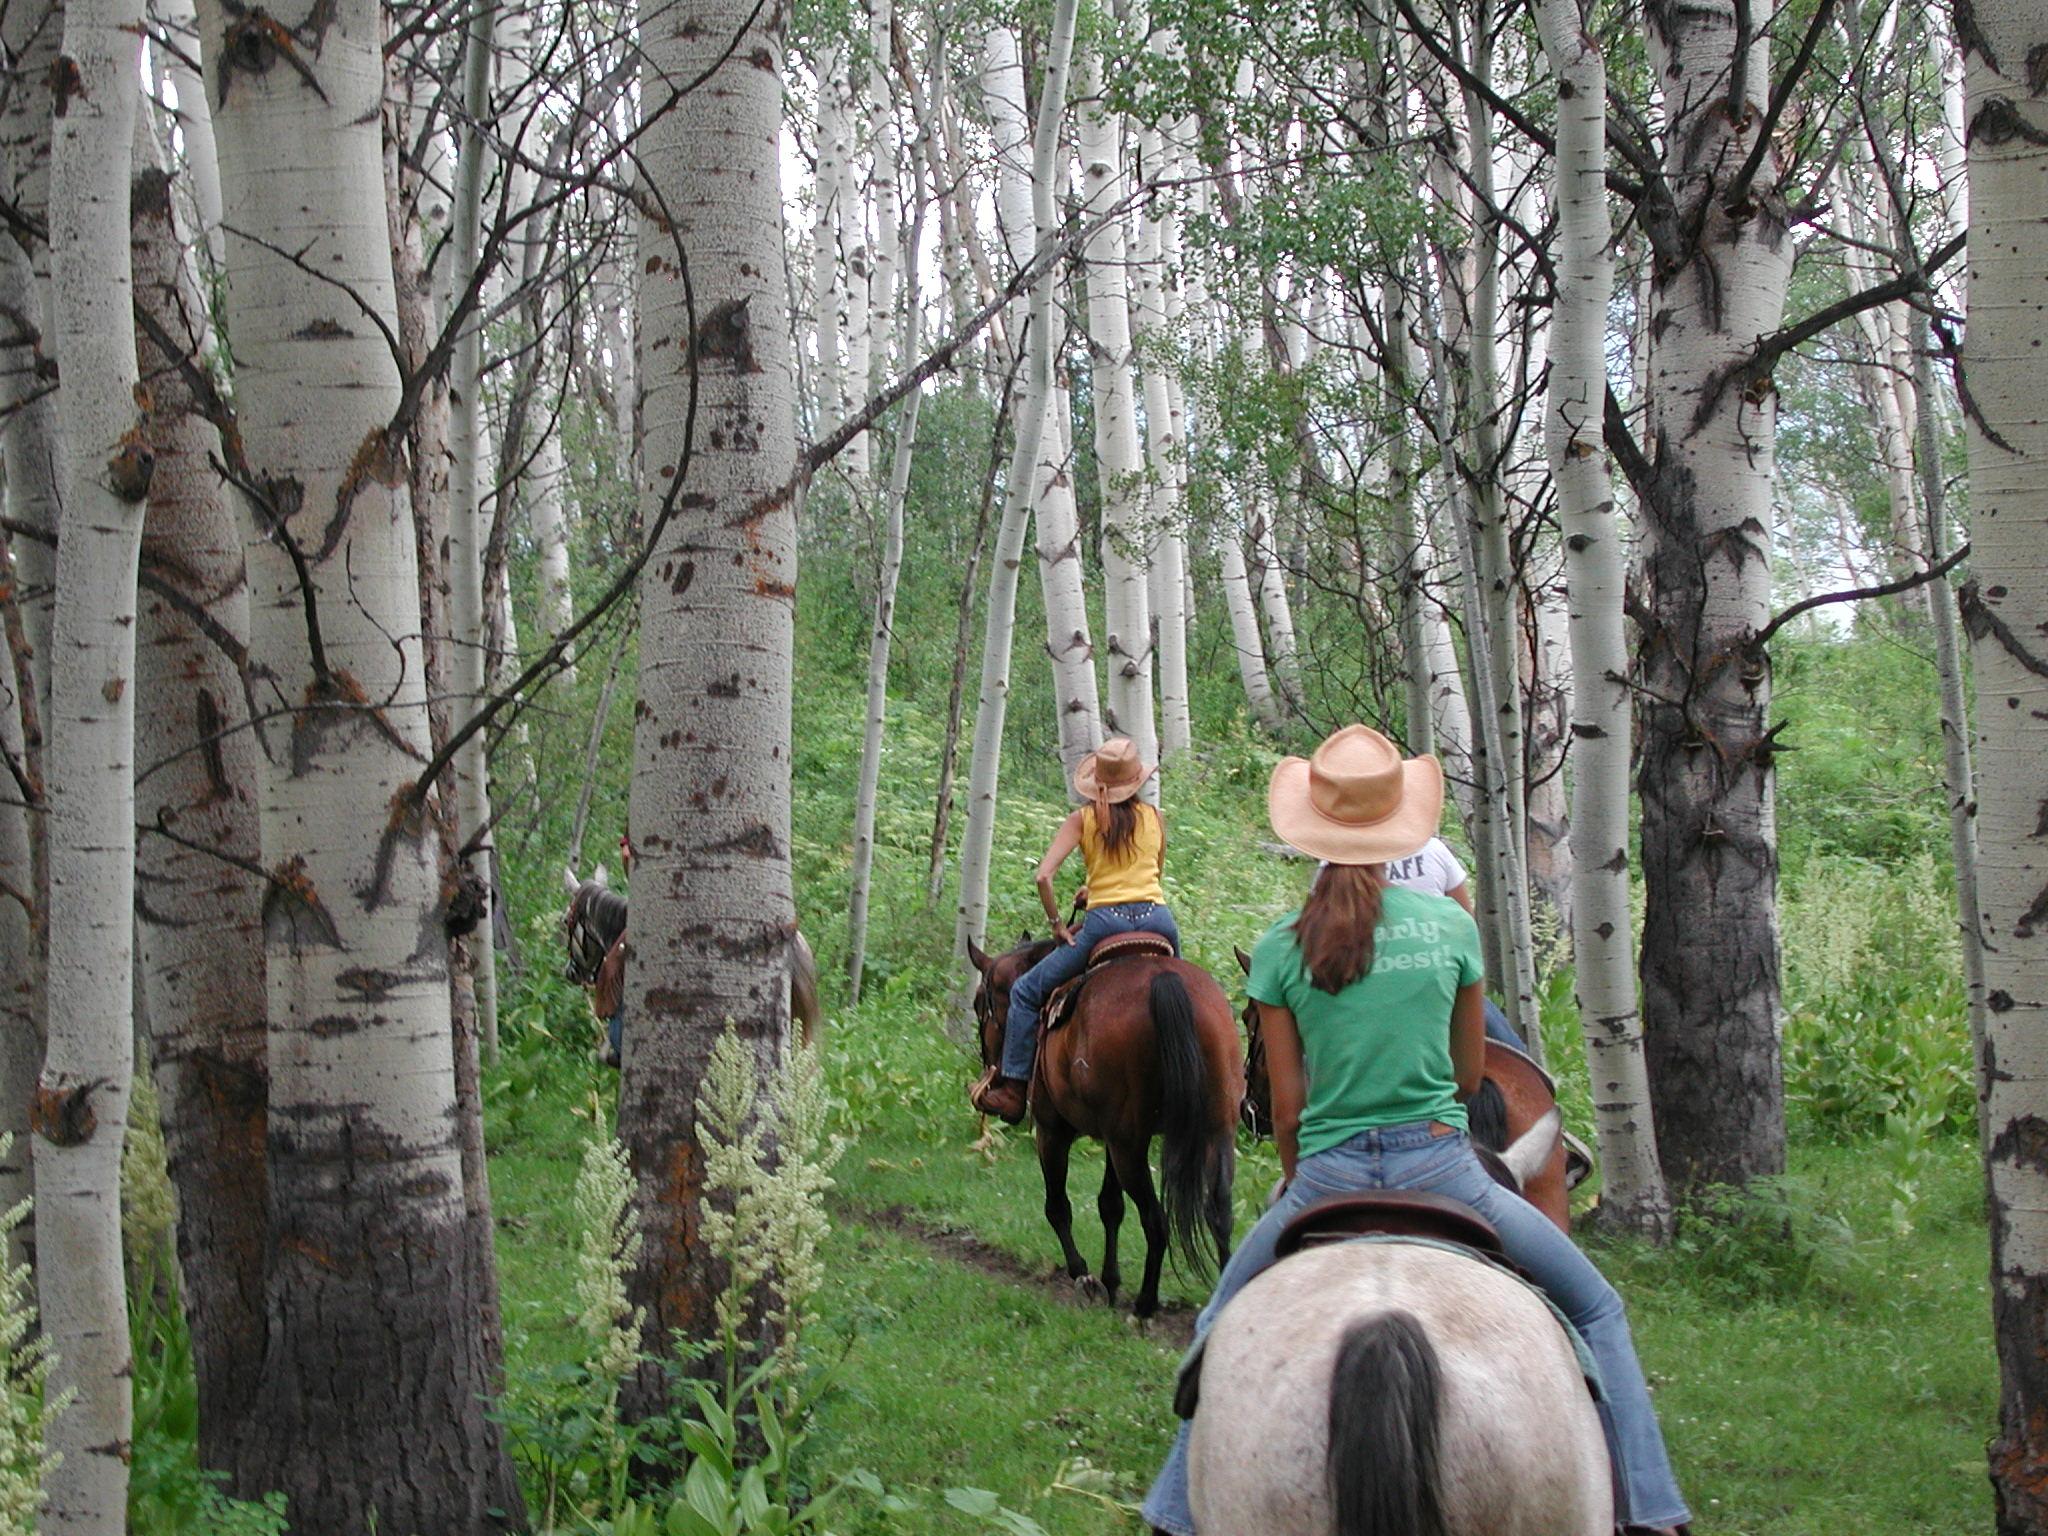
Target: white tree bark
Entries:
(195, 123)
(2006, 614)
(1709, 963)
(468, 461)
(376, 1371)
(1632, 1193)
(1244, 631)
(884, 171)
(547, 515)
(1003, 88)
(828, 290)
(81, 1105)
(885, 626)
(713, 912)
(1126, 605)
(198, 905)
(31, 33)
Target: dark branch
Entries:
(1858, 594)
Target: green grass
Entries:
(1816, 1369)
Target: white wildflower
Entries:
(24, 1377)
(610, 1249)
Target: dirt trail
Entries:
(1174, 1321)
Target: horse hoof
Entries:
(1091, 1289)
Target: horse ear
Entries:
(1244, 961)
(981, 961)
(1024, 937)
(569, 881)
(600, 879)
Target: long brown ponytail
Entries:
(1336, 925)
(1116, 823)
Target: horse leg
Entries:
(1134, 1171)
(1053, 1149)
(1109, 1205)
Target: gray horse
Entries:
(594, 928)
(1395, 1388)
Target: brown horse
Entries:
(1514, 1097)
(1150, 1050)
(594, 931)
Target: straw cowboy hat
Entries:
(1113, 772)
(1354, 801)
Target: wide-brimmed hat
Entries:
(1355, 801)
(1113, 771)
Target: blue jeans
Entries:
(1028, 995)
(615, 1031)
(1498, 1027)
(1409, 1157)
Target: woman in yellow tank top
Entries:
(1123, 844)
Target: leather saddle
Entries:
(1390, 1213)
(1059, 1007)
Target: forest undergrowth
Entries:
(1820, 1348)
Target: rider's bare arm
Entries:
(1162, 840)
(1461, 893)
(1064, 842)
(1288, 1078)
(1468, 1038)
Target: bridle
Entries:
(587, 947)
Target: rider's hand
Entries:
(1081, 898)
(1063, 933)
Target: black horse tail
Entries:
(1486, 1116)
(1384, 1391)
(1191, 1165)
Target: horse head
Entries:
(992, 993)
(593, 922)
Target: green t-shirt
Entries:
(1379, 1052)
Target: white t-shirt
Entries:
(1435, 869)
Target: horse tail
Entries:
(1384, 1391)
(1190, 1164)
(1486, 1116)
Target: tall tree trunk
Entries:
(377, 1370)
(1709, 833)
(198, 901)
(1062, 579)
(977, 839)
(713, 913)
(1632, 1194)
(2005, 610)
(963, 635)
(32, 33)
(828, 292)
(1126, 606)
(28, 442)
(468, 459)
(81, 1104)
(1244, 631)
(1157, 316)
(885, 623)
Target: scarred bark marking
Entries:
(64, 1116)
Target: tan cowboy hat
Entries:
(1113, 771)
(1354, 801)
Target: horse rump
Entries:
(1384, 1392)
(1191, 1166)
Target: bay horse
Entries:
(1516, 1097)
(1150, 1049)
(596, 922)
(1394, 1389)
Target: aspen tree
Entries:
(713, 912)
(1603, 949)
(199, 898)
(2005, 611)
(1126, 605)
(1003, 88)
(80, 1111)
(376, 1371)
